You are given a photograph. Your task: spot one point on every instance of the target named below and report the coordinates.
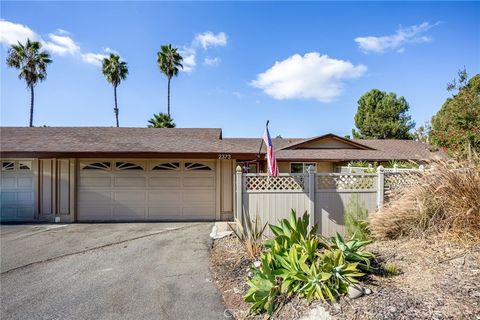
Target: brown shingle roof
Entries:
(187, 140)
(96, 139)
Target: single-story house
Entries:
(146, 174)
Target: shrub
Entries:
(299, 262)
(390, 269)
(445, 201)
(356, 215)
(250, 235)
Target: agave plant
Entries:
(292, 231)
(264, 289)
(351, 250)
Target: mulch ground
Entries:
(436, 280)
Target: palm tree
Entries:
(161, 120)
(115, 71)
(32, 64)
(169, 61)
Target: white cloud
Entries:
(312, 76)
(94, 58)
(209, 39)
(61, 45)
(205, 40)
(212, 61)
(189, 59)
(59, 42)
(11, 33)
(395, 41)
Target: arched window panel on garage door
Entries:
(193, 166)
(25, 165)
(8, 165)
(103, 165)
(127, 166)
(167, 166)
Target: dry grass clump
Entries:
(446, 201)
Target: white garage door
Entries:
(143, 190)
(17, 194)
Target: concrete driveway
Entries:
(107, 271)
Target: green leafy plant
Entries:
(293, 231)
(299, 262)
(351, 250)
(250, 235)
(263, 288)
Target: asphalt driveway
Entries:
(107, 271)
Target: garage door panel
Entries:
(162, 196)
(24, 212)
(23, 182)
(125, 197)
(95, 196)
(193, 212)
(129, 213)
(95, 213)
(9, 182)
(199, 196)
(25, 196)
(130, 181)
(199, 181)
(8, 196)
(165, 182)
(159, 213)
(96, 181)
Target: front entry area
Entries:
(146, 190)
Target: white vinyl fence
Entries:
(325, 196)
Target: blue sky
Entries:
(303, 66)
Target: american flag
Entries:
(271, 158)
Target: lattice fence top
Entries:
(402, 179)
(346, 182)
(280, 183)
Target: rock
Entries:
(355, 292)
(318, 313)
(250, 274)
(367, 291)
(257, 264)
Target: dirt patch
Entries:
(437, 280)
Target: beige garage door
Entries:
(17, 193)
(146, 190)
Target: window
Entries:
(301, 167)
(127, 166)
(196, 166)
(25, 165)
(8, 165)
(249, 166)
(174, 166)
(98, 166)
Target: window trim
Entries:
(305, 166)
(196, 166)
(128, 166)
(166, 166)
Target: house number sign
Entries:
(224, 156)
